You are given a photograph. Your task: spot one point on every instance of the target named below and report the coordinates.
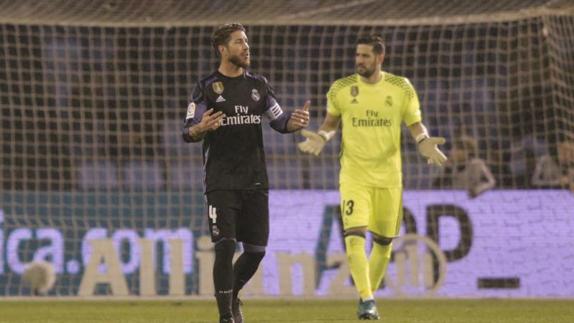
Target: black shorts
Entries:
(239, 214)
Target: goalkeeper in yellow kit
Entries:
(371, 105)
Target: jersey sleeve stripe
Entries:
(274, 112)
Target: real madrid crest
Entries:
(354, 93)
(217, 87)
(389, 101)
(255, 95)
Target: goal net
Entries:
(93, 95)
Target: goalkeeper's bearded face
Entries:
(366, 61)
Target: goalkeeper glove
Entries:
(428, 148)
(315, 141)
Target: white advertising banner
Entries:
(500, 244)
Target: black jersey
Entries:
(233, 155)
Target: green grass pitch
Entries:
(395, 311)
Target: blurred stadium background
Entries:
(93, 96)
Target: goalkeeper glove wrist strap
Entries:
(421, 137)
(327, 135)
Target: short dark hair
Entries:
(374, 40)
(222, 34)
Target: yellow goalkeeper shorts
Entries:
(378, 209)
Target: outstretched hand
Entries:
(429, 149)
(313, 143)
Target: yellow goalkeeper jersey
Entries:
(371, 116)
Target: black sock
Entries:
(245, 267)
(223, 275)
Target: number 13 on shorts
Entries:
(377, 208)
(355, 205)
(347, 207)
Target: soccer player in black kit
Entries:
(226, 112)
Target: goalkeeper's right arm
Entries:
(315, 141)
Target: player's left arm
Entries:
(284, 122)
(427, 145)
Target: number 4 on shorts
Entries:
(213, 214)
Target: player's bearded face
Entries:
(241, 60)
(366, 61)
(238, 50)
(365, 69)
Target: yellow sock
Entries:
(378, 262)
(359, 265)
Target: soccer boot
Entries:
(236, 309)
(367, 310)
(226, 320)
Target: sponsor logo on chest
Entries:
(371, 119)
(241, 117)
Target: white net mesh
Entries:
(93, 97)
